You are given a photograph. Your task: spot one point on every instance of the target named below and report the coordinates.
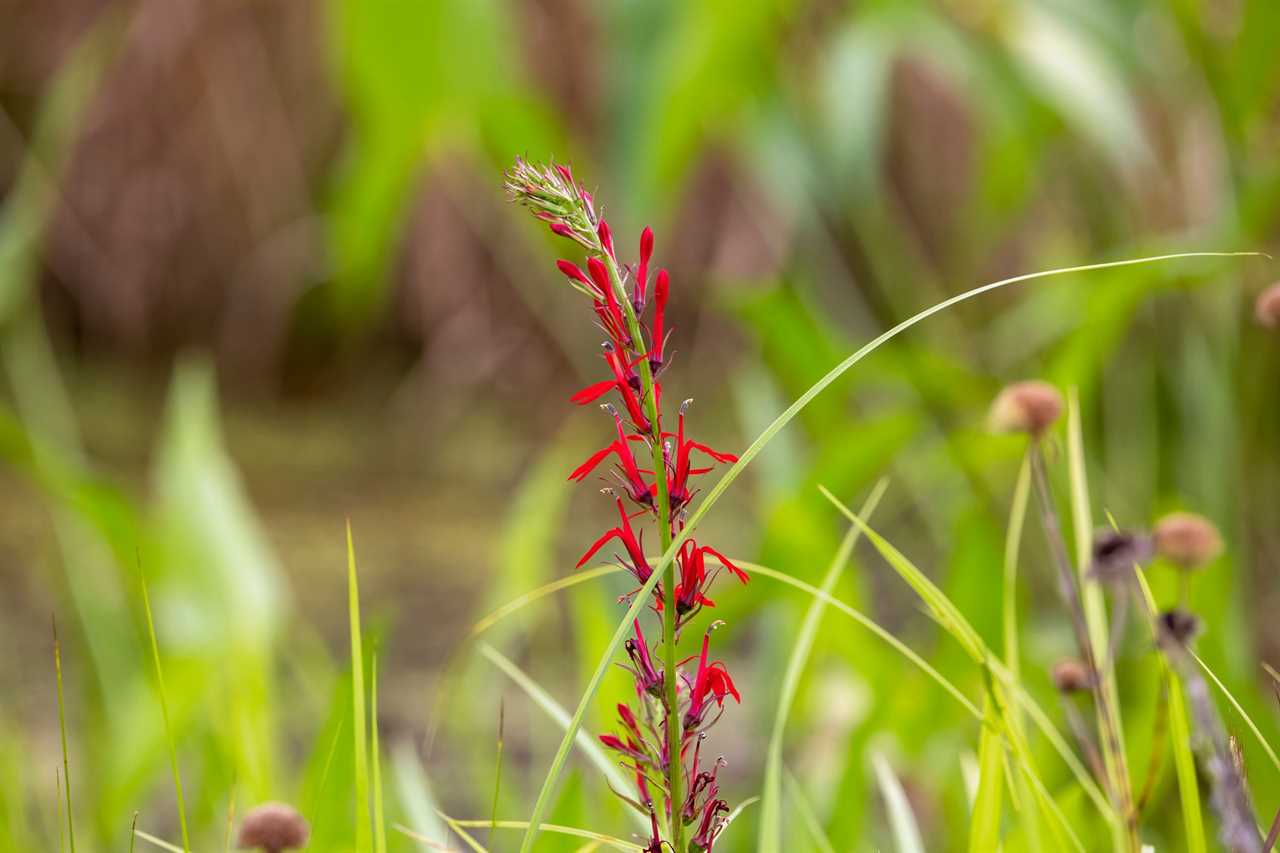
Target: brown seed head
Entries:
(1070, 676)
(1029, 407)
(1116, 553)
(1187, 539)
(1176, 628)
(1267, 308)
(273, 827)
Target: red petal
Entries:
(593, 392)
(599, 543)
(726, 562)
(585, 468)
(714, 454)
(573, 271)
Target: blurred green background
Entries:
(257, 276)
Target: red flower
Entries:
(660, 290)
(627, 471)
(610, 313)
(712, 681)
(693, 576)
(625, 380)
(642, 271)
(638, 566)
(678, 482)
(648, 679)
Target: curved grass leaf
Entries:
(611, 770)
(771, 798)
(597, 837)
(641, 598)
(364, 842)
(906, 833)
(984, 826)
(164, 711)
(807, 815)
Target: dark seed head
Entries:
(1177, 627)
(1116, 552)
(1187, 539)
(1029, 407)
(273, 827)
(1070, 676)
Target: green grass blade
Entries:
(158, 842)
(164, 712)
(62, 732)
(552, 776)
(379, 815)
(364, 842)
(1184, 761)
(770, 839)
(414, 791)
(497, 770)
(460, 825)
(541, 592)
(1184, 764)
(984, 826)
(1012, 547)
(942, 608)
(804, 810)
(902, 821)
(590, 748)
(1244, 715)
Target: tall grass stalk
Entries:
(364, 842)
(164, 710)
(62, 732)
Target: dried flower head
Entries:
(1187, 539)
(273, 827)
(1176, 628)
(1116, 553)
(1029, 407)
(1267, 308)
(1070, 676)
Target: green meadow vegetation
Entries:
(341, 576)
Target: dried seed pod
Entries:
(1267, 307)
(1176, 628)
(1070, 676)
(1187, 539)
(1030, 407)
(1116, 552)
(273, 827)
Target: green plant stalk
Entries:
(164, 711)
(62, 730)
(753, 450)
(364, 840)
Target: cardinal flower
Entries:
(627, 471)
(712, 682)
(692, 559)
(682, 470)
(638, 565)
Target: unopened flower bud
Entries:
(1070, 676)
(1029, 407)
(273, 827)
(1187, 539)
(606, 236)
(1267, 308)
